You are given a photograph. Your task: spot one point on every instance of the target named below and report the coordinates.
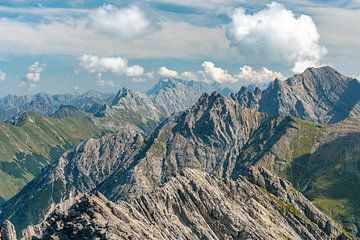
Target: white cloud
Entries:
(117, 65)
(2, 76)
(34, 72)
(150, 74)
(188, 76)
(173, 40)
(246, 75)
(217, 74)
(107, 83)
(168, 73)
(211, 73)
(263, 76)
(126, 23)
(276, 35)
(134, 71)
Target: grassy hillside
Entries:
(323, 161)
(33, 141)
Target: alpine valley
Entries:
(186, 160)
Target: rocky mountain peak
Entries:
(168, 83)
(92, 94)
(122, 93)
(164, 83)
(318, 94)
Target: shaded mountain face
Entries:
(194, 205)
(320, 95)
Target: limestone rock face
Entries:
(7, 231)
(195, 205)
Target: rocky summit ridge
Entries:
(194, 205)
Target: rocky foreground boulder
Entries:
(7, 231)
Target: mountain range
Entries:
(221, 167)
(55, 126)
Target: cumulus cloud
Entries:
(107, 83)
(149, 74)
(168, 73)
(2, 76)
(217, 74)
(211, 73)
(126, 23)
(246, 75)
(189, 76)
(261, 77)
(34, 72)
(117, 65)
(276, 35)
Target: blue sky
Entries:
(77, 45)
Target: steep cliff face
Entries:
(195, 205)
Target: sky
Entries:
(77, 45)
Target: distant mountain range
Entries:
(180, 93)
(227, 167)
(45, 104)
